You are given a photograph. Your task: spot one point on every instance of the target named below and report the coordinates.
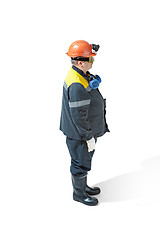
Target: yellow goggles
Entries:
(91, 59)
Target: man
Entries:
(82, 117)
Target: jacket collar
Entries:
(81, 72)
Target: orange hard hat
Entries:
(80, 48)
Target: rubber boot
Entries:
(79, 193)
(92, 191)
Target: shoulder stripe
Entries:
(65, 85)
(79, 103)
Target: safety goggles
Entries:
(89, 59)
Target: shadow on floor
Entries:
(144, 184)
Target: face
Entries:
(85, 66)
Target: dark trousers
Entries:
(80, 157)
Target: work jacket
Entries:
(83, 108)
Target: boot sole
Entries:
(86, 203)
(92, 193)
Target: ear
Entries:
(80, 63)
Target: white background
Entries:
(35, 185)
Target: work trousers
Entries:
(80, 157)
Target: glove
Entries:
(91, 144)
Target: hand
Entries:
(91, 144)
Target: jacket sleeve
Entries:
(79, 103)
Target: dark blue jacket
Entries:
(83, 108)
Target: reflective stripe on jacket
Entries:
(83, 108)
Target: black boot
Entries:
(79, 194)
(92, 191)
